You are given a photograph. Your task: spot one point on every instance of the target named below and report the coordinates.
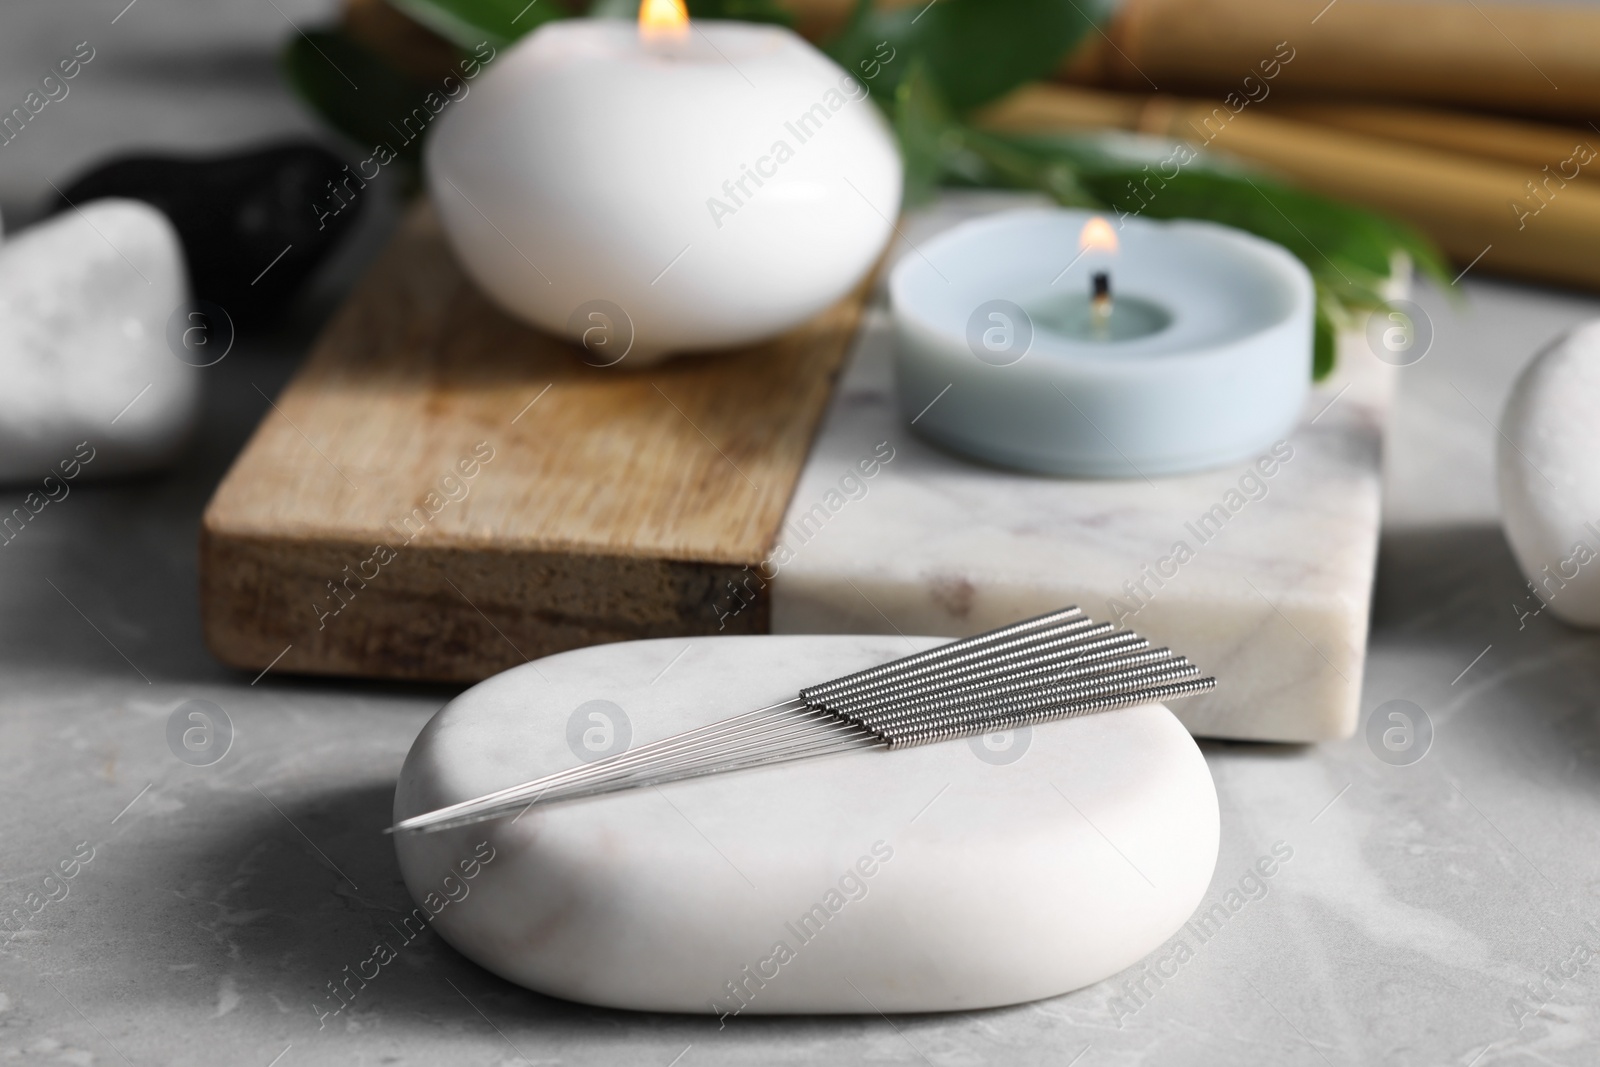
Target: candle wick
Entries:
(1100, 303)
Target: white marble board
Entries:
(1274, 601)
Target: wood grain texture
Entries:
(442, 492)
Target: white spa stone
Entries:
(977, 882)
(1549, 475)
(85, 300)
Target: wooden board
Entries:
(442, 492)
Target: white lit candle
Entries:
(665, 187)
(1049, 341)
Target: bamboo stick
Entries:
(1505, 217)
(1534, 58)
(1509, 140)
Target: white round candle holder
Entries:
(1205, 359)
(647, 197)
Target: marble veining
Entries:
(1260, 572)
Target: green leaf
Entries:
(873, 48)
(1019, 168)
(974, 50)
(1324, 345)
(470, 23)
(358, 93)
(922, 124)
(937, 147)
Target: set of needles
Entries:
(1056, 666)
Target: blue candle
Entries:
(1053, 341)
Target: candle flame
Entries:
(663, 20)
(1097, 236)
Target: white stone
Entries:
(1275, 604)
(1549, 476)
(991, 883)
(84, 303)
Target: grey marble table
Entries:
(1435, 913)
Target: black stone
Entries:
(236, 213)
